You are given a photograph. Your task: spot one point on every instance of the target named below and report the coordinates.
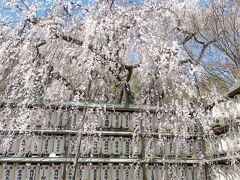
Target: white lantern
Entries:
(95, 147)
(14, 145)
(136, 121)
(44, 172)
(172, 148)
(95, 172)
(148, 122)
(152, 119)
(189, 148)
(116, 146)
(59, 142)
(40, 117)
(25, 145)
(106, 120)
(162, 172)
(51, 120)
(190, 129)
(76, 118)
(222, 172)
(229, 172)
(56, 172)
(47, 144)
(159, 122)
(199, 148)
(20, 172)
(172, 172)
(159, 147)
(106, 172)
(126, 172)
(106, 145)
(136, 147)
(150, 147)
(235, 173)
(217, 114)
(72, 146)
(215, 147)
(69, 172)
(36, 145)
(1, 170)
(213, 173)
(126, 149)
(116, 172)
(190, 172)
(169, 148)
(151, 172)
(209, 149)
(62, 119)
(227, 108)
(8, 172)
(1, 145)
(200, 172)
(218, 148)
(181, 172)
(230, 141)
(83, 172)
(126, 121)
(237, 141)
(85, 146)
(197, 128)
(117, 120)
(224, 143)
(137, 172)
(99, 118)
(32, 172)
(237, 114)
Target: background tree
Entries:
(213, 41)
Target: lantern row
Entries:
(110, 121)
(100, 172)
(105, 146)
(223, 144)
(223, 172)
(225, 113)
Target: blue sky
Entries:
(8, 13)
(45, 5)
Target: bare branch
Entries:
(70, 39)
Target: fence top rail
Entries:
(47, 104)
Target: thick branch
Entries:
(205, 46)
(70, 39)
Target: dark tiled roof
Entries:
(233, 91)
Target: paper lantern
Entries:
(106, 120)
(8, 172)
(126, 172)
(126, 148)
(36, 145)
(47, 144)
(137, 173)
(20, 172)
(83, 172)
(151, 172)
(116, 146)
(117, 120)
(106, 145)
(56, 172)
(106, 172)
(95, 172)
(32, 172)
(126, 121)
(116, 172)
(59, 143)
(44, 172)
